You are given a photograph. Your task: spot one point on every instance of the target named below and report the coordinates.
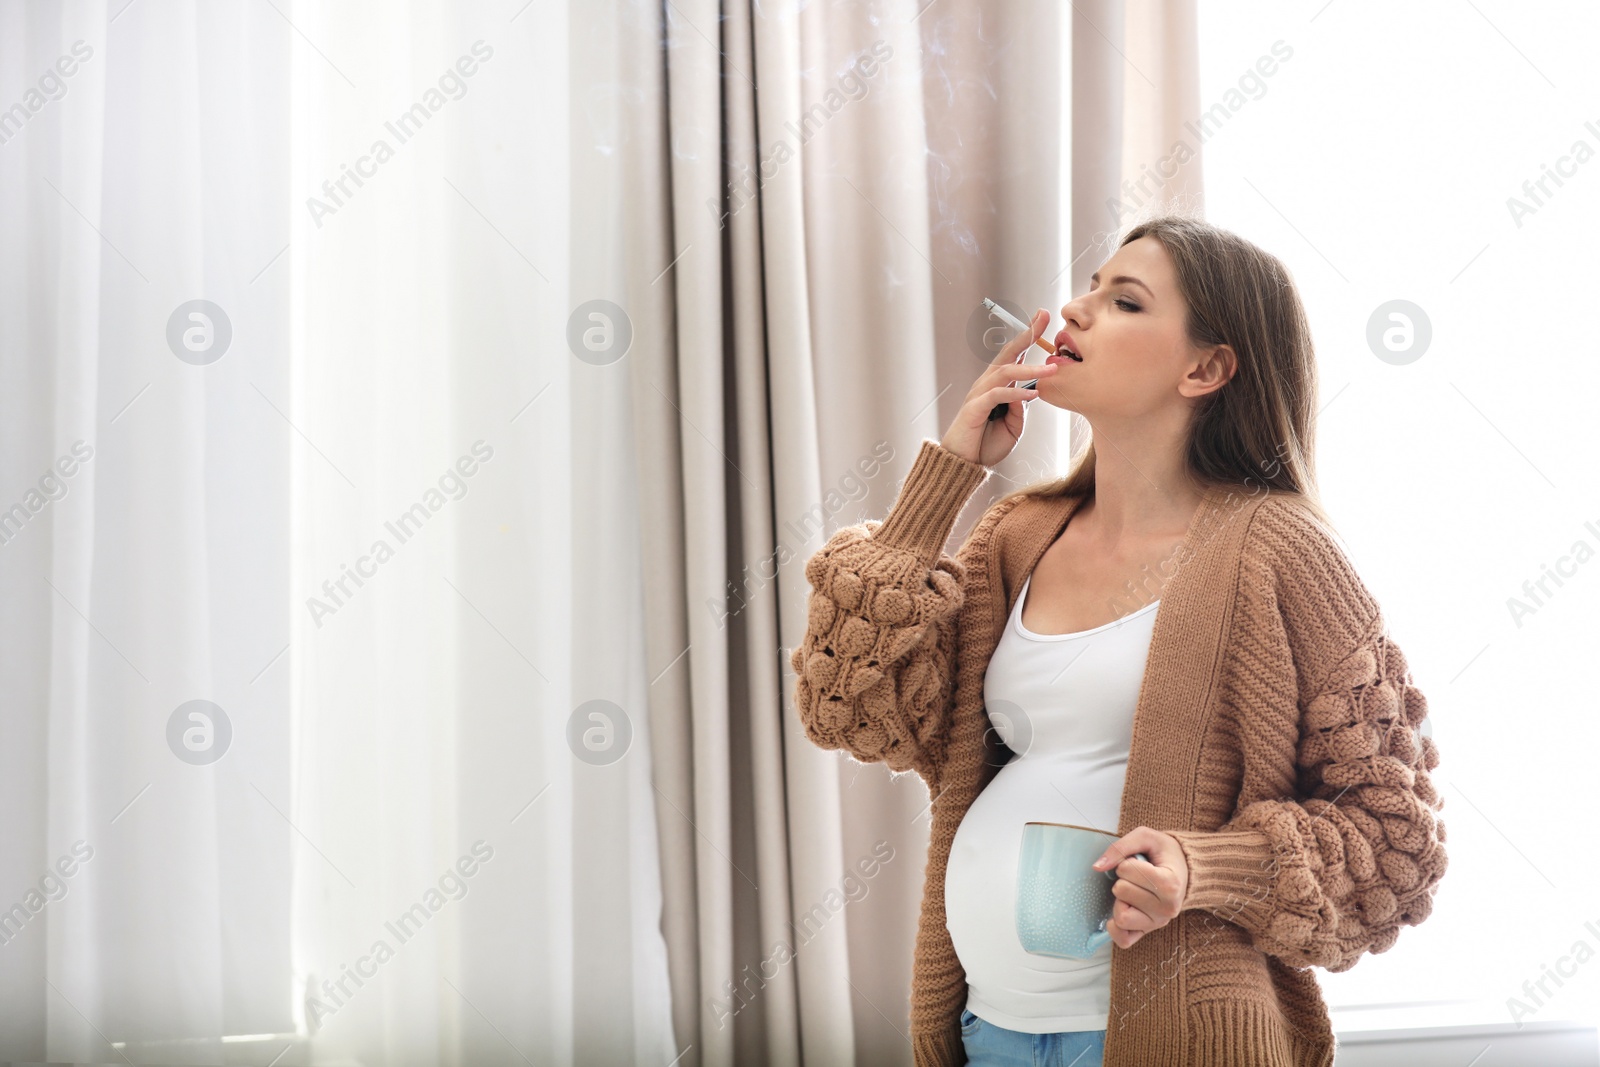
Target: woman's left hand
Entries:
(1149, 895)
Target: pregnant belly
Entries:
(981, 886)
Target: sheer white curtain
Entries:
(144, 561)
(433, 706)
(390, 532)
(348, 529)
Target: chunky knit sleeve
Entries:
(875, 672)
(1336, 842)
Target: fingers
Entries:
(1017, 344)
(1152, 843)
(1027, 370)
(1122, 936)
(1119, 849)
(1154, 903)
(1009, 389)
(1007, 394)
(1140, 871)
(1133, 920)
(1145, 893)
(1141, 894)
(1137, 911)
(1141, 882)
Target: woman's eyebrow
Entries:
(1123, 278)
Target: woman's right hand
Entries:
(972, 436)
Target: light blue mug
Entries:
(1063, 903)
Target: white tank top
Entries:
(1064, 703)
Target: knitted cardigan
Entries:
(1275, 737)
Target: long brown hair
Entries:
(1257, 431)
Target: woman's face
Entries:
(1130, 330)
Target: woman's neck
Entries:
(1142, 487)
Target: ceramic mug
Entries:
(1063, 903)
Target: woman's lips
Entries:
(1066, 347)
(1062, 356)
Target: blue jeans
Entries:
(989, 1045)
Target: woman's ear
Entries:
(1214, 367)
(1229, 360)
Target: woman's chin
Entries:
(1052, 394)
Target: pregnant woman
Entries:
(1166, 644)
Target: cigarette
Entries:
(1016, 324)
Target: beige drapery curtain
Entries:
(800, 300)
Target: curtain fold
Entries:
(145, 886)
(476, 728)
(540, 348)
(843, 187)
(352, 529)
